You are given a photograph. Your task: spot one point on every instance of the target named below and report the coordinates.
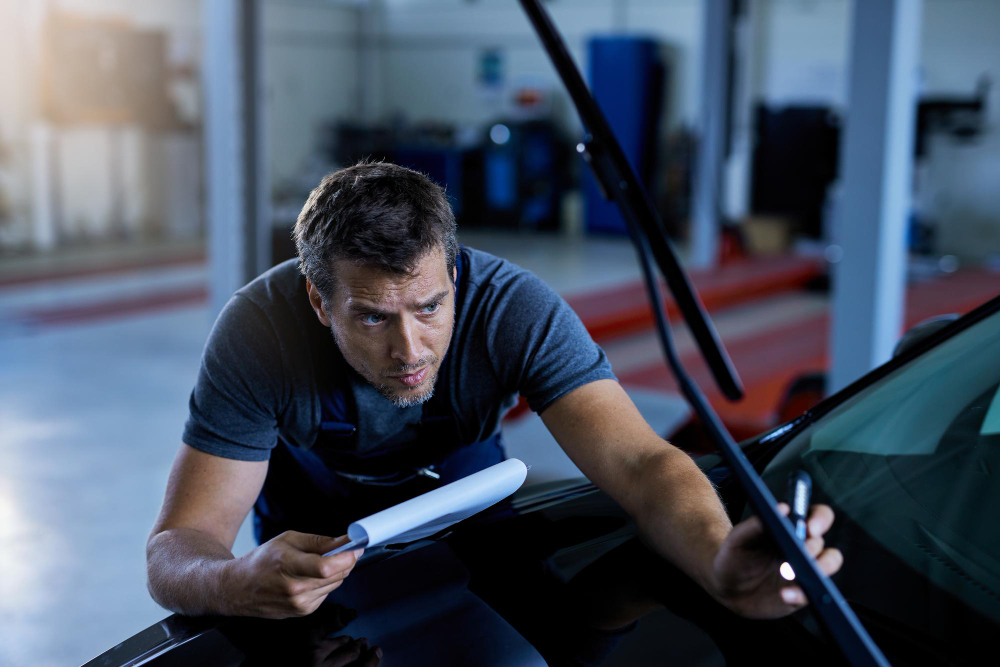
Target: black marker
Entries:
(799, 492)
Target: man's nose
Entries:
(407, 347)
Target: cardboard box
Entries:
(767, 235)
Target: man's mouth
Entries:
(413, 379)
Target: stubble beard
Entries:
(405, 400)
(411, 397)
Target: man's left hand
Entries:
(746, 573)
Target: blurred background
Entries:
(827, 170)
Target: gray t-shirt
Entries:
(268, 358)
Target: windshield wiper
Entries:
(605, 156)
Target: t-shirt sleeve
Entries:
(237, 397)
(538, 345)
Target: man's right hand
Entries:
(288, 575)
(189, 558)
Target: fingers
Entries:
(354, 652)
(829, 561)
(320, 592)
(819, 522)
(320, 649)
(820, 519)
(331, 566)
(301, 558)
(793, 597)
(748, 533)
(313, 566)
(347, 653)
(311, 592)
(373, 658)
(314, 544)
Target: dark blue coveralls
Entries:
(324, 489)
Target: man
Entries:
(378, 365)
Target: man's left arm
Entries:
(676, 508)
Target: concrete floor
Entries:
(90, 417)
(90, 420)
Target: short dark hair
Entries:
(374, 213)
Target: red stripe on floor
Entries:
(625, 310)
(196, 257)
(768, 362)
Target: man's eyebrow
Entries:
(434, 299)
(361, 307)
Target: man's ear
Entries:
(316, 301)
(454, 274)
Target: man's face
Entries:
(394, 330)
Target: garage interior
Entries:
(825, 168)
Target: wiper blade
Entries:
(615, 175)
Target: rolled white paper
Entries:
(435, 510)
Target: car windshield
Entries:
(908, 464)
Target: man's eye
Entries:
(430, 308)
(372, 318)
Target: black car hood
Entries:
(414, 601)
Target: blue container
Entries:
(626, 78)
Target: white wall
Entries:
(318, 67)
(804, 51)
(311, 67)
(430, 50)
(310, 59)
(806, 45)
(15, 110)
(433, 46)
(960, 42)
(82, 173)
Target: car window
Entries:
(911, 465)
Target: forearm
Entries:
(679, 514)
(676, 507)
(189, 572)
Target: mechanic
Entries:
(431, 344)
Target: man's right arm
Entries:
(190, 565)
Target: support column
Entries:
(45, 204)
(877, 163)
(746, 77)
(260, 220)
(713, 122)
(237, 189)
